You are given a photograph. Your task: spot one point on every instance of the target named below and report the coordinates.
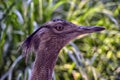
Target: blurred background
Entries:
(93, 57)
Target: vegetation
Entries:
(93, 57)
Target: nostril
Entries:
(84, 28)
(98, 28)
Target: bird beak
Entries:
(89, 29)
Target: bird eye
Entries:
(59, 28)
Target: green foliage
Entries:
(93, 57)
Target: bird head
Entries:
(56, 32)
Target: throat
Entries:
(44, 63)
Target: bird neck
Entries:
(45, 61)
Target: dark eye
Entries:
(59, 28)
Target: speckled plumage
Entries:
(47, 41)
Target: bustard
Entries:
(47, 41)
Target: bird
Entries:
(47, 41)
